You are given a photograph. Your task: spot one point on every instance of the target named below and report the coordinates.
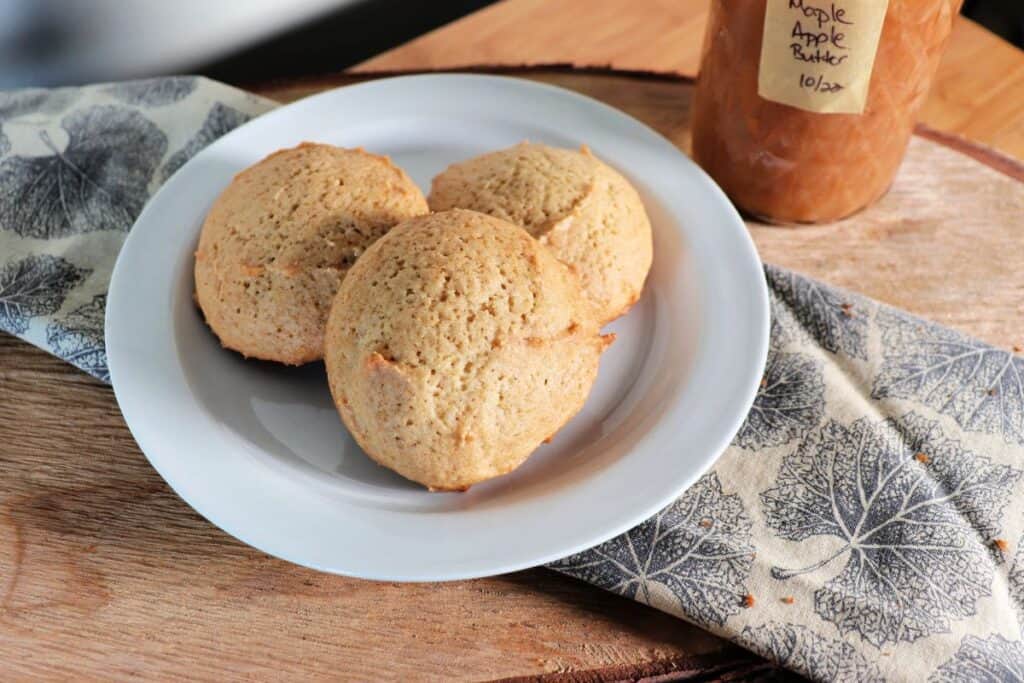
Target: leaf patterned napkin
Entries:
(867, 522)
(76, 167)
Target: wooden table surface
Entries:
(104, 571)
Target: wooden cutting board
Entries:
(105, 573)
(984, 103)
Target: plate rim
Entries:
(749, 257)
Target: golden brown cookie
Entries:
(457, 345)
(278, 241)
(573, 203)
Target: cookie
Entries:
(586, 212)
(458, 344)
(279, 240)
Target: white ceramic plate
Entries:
(259, 450)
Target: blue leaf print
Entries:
(784, 326)
(992, 660)
(789, 403)
(154, 92)
(812, 654)
(78, 338)
(34, 286)
(979, 386)
(834, 319)
(692, 558)
(914, 514)
(16, 103)
(219, 121)
(98, 182)
(1015, 579)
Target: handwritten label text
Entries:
(818, 55)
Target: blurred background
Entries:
(65, 42)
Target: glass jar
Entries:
(801, 162)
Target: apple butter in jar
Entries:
(804, 108)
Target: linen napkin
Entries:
(865, 524)
(76, 167)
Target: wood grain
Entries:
(978, 91)
(104, 572)
(656, 36)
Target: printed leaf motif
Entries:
(98, 182)
(1016, 581)
(789, 403)
(219, 121)
(800, 649)
(992, 660)
(691, 559)
(784, 327)
(17, 103)
(154, 92)
(837, 320)
(34, 286)
(979, 386)
(914, 514)
(78, 338)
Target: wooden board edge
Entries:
(350, 76)
(557, 67)
(992, 158)
(733, 663)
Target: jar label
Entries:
(818, 55)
